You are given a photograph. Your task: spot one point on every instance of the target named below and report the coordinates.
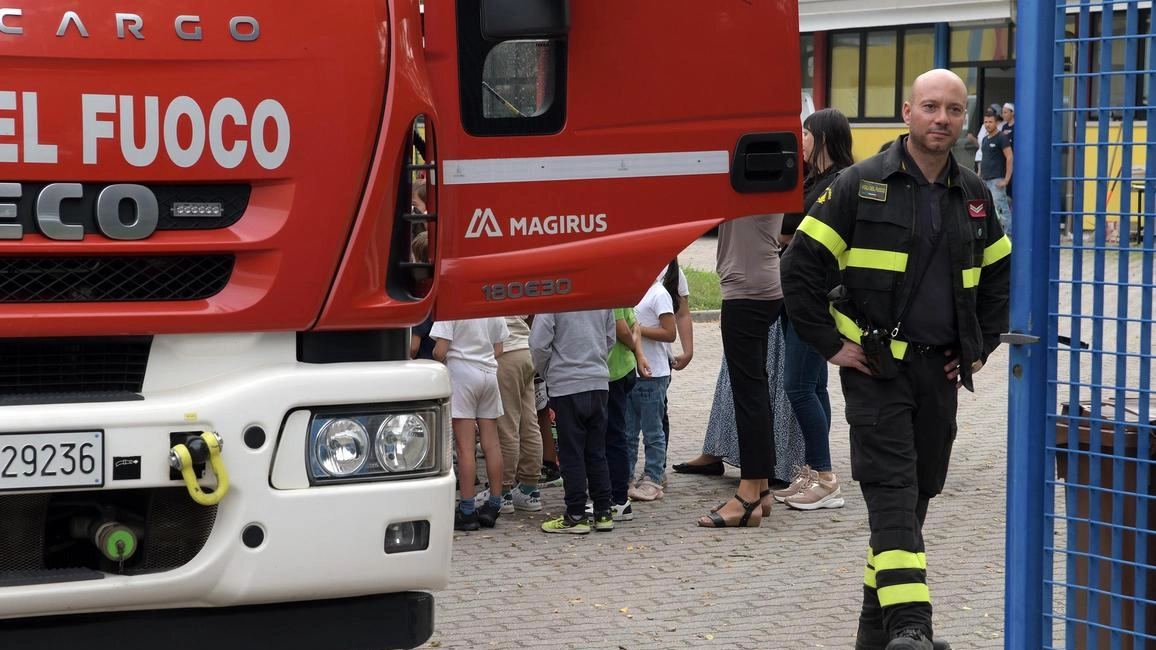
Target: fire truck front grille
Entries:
(114, 365)
(22, 532)
(47, 538)
(113, 279)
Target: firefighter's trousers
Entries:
(902, 430)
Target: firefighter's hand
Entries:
(851, 356)
(952, 368)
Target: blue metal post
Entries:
(942, 45)
(1024, 587)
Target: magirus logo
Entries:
(484, 222)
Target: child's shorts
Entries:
(475, 391)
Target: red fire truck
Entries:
(211, 434)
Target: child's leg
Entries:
(492, 448)
(617, 462)
(572, 451)
(467, 464)
(633, 425)
(597, 472)
(652, 403)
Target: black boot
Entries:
(910, 639)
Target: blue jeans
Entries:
(805, 382)
(644, 413)
(1002, 205)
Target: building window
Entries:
(872, 70)
(1110, 61)
(981, 43)
(845, 73)
(881, 75)
(807, 59)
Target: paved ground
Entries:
(795, 582)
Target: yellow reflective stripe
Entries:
(868, 258)
(971, 277)
(870, 556)
(899, 349)
(850, 331)
(908, 593)
(869, 576)
(997, 251)
(846, 326)
(843, 261)
(823, 234)
(888, 560)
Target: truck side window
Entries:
(510, 87)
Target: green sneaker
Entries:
(603, 521)
(567, 524)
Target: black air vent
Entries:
(113, 279)
(73, 365)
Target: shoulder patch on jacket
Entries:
(824, 196)
(873, 191)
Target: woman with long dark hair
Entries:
(826, 152)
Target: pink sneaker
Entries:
(645, 490)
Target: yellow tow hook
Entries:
(182, 457)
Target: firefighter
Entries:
(923, 300)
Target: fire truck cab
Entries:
(211, 430)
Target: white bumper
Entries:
(319, 542)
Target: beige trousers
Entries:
(518, 427)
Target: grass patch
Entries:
(705, 292)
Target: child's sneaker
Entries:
(819, 494)
(488, 514)
(531, 502)
(507, 502)
(603, 521)
(551, 476)
(567, 524)
(620, 512)
(645, 490)
(462, 521)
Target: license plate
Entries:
(30, 461)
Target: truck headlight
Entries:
(402, 442)
(345, 445)
(342, 447)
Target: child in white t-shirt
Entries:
(470, 349)
(647, 400)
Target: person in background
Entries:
(470, 348)
(748, 270)
(518, 426)
(996, 170)
(570, 350)
(826, 152)
(647, 401)
(1008, 129)
(421, 346)
(976, 139)
(626, 363)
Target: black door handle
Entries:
(765, 162)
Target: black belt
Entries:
(925, 350)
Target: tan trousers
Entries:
(518, 427)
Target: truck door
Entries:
(584, 144)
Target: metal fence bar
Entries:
(1024, 589)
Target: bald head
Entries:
(938, 78)
(935, 112)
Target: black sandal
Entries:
(762, 495)
(745, 521)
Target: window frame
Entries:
(473, 51)
(900, 32)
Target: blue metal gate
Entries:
(1081, 556)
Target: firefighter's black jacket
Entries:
(863, 225)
